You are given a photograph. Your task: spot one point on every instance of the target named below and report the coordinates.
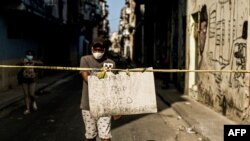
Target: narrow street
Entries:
(59, 119)
(197, 50)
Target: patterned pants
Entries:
(100, 126)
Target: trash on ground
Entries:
(190, 130)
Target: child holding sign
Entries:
(102, 125)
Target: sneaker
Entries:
(34, 106)
(26, 112)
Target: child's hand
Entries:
(116, 117)
(101, 74)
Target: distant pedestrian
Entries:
(28, 78)
(102, 125)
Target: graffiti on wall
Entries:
(227, 34)
(202, 29)
(222, 45)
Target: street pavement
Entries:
(10, 99)
(202, 119)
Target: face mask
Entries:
(30, 57)
(98, 55)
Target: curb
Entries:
(39, 90)
(185, 116)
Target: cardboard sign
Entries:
(122, 94)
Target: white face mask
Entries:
(98, 55)
(30, 57)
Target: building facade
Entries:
(159, 38)
(197, 35)
(59, 32)
(126, 29)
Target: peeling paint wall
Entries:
(221, 43)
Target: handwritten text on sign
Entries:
(122, 94)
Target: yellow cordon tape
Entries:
(125, 70)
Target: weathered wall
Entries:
(12, 50)
(220, 36)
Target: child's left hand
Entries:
(116, 117)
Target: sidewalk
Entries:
(14, 95)
(204, 120)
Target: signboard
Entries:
(122, 94)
